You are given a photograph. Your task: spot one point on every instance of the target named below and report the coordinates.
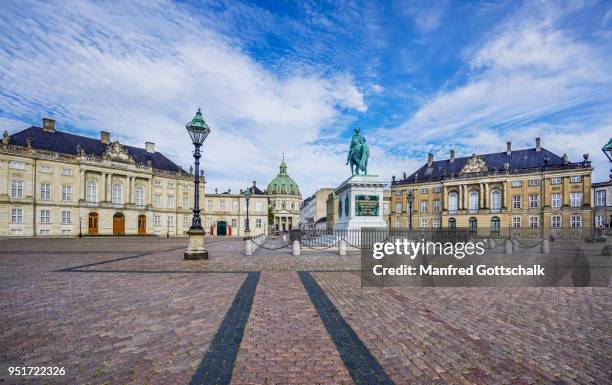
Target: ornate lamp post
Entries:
(410, 200)
(607, 149)
(247, 196)
(198, 131)
(80, 227)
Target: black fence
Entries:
(365, 237)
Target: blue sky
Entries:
(274, 77)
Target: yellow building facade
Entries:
(526, 191)
(54, 183)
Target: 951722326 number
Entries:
(36, 370)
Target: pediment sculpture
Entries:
(473, 165)
(116, 151)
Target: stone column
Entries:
(505, 195)
(132, 189)
(487, 196)
(444, 200)
(481, 196)
(82, 185)
(566, 191)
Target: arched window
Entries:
(139, 198)
(496, 200)
(452, 223)
(117, 194)
(474, 201)
(452, 202)
(92, 193)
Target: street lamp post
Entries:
(198, 131)
(247, 196)
(80, 227)
(410, 200)
(607, 149)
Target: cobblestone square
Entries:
(132, 311)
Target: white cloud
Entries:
(140, 69)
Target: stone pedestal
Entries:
(195, 247)
(360, 203)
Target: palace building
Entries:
(285, 199)
(55, 183)
(530, 189)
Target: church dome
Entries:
(283, 184)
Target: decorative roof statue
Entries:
(358, 154)
(29, 142)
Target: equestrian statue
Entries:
(358, 154)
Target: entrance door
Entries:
(142, 224)
(118, 224)
(221, 228)
(473, 226)
(92, 227)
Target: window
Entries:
(576, 221)
(157, 220)
(66, 193)
(437, 189)
(45, 216)
(45, 191)
(496, 200)
(16, 189)
(533, 201)
(67, 171)
(473, 201)
(436, 206)
(15, 165)
(398, 207)
(186, 202)
(66, 217)
(555, 200)
(495, 225)
(171, 221)
(423, 190)
(452, 202)
(600, 198)
(170, 201)
(46, 169)
(452, 223)
(516, 222)
(44, 232)
(398, 193)
(555, 180)
(398, 223)
(599, 221)
(16, 215)
(158, 201)
(185, 220)
(16, 231)
(575, 199)
(221, 205)
(534, 222)
(423, 206)
(258, 206)
(473, 225)
(66, 232)
(533, 182)
(423, 223)
(517, 183)
(92, 195)
(435, 223)
(258, 223)
(209, 221)
(235, 204)
(555, 221)
(234, 221)
(516, 201)
(139, 196)
(576, 179)
(117, 194)
(209, 205)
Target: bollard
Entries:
(248, 247)
(285, 236)
(545, 246)
(508, 246)
(491, 243)
(515, 245)
(342, 247)
(296, 248)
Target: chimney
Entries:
(48, 125)
(105, 137)
(538, 148)
(452, 156)
(508, 148)
(429, 160)
(150, 147)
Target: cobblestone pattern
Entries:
(285, 341)
(480, 335)
(218, 363)
(107, 328)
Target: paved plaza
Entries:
(132, 311)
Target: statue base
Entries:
(195, 246)
(360, 203)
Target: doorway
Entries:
(92, 226)
(221, 228)
(118, 224)
(142, 224)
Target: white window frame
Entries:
(424, 223)
(534, 182)
(46, 169)
(576, 199)
(517, 183)
(16, 165)
(45, 191)
(516, 203)
(453, 201)
(398, 207)
(600, 198)
(187, 201)
(66, 193)
(16, 215)
(117, 194)
(139, 194)
(576, 221)
(556, 221)
(555, 200)
(45, 216)
(534, 222)
(16, 189)
(424, 190)
(534, 201)
(170, 201)
(495, 200)
(258, 223)
(91, 189)
(436, 206)
(66, 217)
(157, 220)
(555, 180)
(67, 172)
(424, 206)
(517, 222)
(474, 197)
(576, 179)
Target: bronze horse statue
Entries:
(358, 157)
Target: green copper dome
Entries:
(283, 184)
